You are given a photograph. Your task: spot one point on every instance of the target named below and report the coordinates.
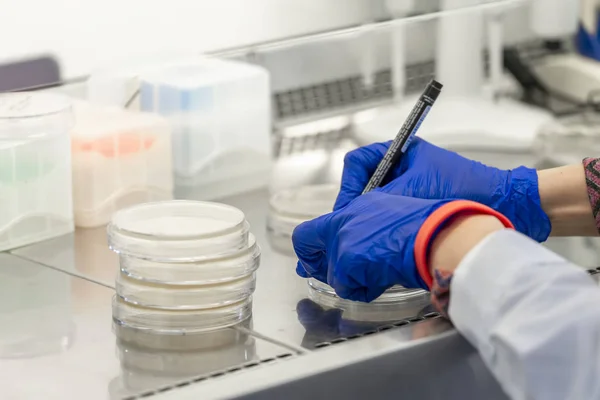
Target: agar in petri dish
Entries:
(178, 230)
(209, 271)
(180, 321)
(179, 297)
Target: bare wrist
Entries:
(458, 237)
(564, 198)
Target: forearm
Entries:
(564, 197)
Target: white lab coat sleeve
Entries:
(533, 316)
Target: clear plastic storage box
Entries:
(35, 168)
(220, 113)
(120, 158)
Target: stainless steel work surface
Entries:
(83, 253)
(57, 342)
(282, 309)
(425, 360)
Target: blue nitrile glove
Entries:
(366, 247)
(430, 172)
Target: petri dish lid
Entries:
(204, 272)
(178, 230)
(169, 297)
(305, 202)
(41, 113)
(180, 321)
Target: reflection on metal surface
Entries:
(395, 362)
(326, 325)
(35, 310)
(41, 309)
(150, 360)
(84, 253)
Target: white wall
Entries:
(88, 33)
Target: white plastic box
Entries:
(35, 168)
(220, 113)
(120, 158)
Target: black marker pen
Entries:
(406, 133)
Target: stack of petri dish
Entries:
(289, 208)
(185, 266)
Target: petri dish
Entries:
(178, 297)
(386, 307)
(380, 312)
(180, 321)
(208, 271)
(178, 230)
(291, 207)
(305, 202)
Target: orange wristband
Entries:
(436, 219)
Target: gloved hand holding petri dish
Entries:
(365, 248)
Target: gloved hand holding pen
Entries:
(375, 242)
(503, 291)
(430, 172)
(369, 242)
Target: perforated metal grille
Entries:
(383, 328)
(330, 95)
(279, 358)
(351, 90)
(212, 375)
(326, 140)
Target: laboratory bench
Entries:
(58, 338)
